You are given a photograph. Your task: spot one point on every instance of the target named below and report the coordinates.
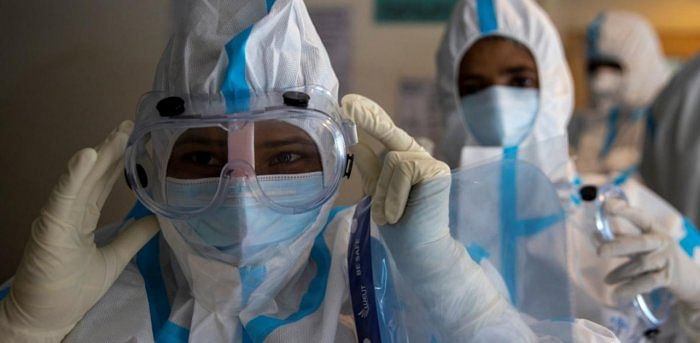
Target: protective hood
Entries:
(672, 149)
(525, 22)
(240, 50)
(630, 40)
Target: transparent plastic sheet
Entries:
(508, 213)
(508, 216)
(551, 156)
(608, 143)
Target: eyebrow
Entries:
(275, 143)
(519, 69)
(471, 76)
(202, 141)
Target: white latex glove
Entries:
(410, 192)
(655, 261)
(63, 273)
(405, 163)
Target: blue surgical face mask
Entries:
(243, 226)
(500, 115)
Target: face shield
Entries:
(508, 217)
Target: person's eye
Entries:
(471, 87)
(523, 82)
(203, 158)
(284, 158)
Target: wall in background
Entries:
(675, 20)
(680, 15)
(73, 71)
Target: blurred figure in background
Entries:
(626, 70)
(503, 75)
(671, 162)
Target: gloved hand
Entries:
(410, 192)
(63, 273)
(656, 261)
(405, 163)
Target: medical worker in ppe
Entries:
(236, 158)
(502, 70)
(670, 162)
(626, 70)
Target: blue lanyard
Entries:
(361, 280)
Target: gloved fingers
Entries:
(642, 284)
(125, 127)
(100, 194)
(123, 248)
(111, 151)
(105, 184)
(398, 190)
(647, 263)
(379, 200)
(631, 245)
(371, 118)
(620, 208)
(413, 169)
(621, 226)
(431, 168)
(379, 197)
(66, 191)
(369, 164)
(116, 174)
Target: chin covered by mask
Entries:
(500, 115)
(242, 228)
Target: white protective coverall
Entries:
(526, 23)
(608, 136)
(170, 293)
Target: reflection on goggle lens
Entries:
(276, 146)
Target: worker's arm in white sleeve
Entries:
(410, 192)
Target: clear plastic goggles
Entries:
(192, 154)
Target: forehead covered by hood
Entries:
(525, 22)
(238, 49)
(630, 40)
